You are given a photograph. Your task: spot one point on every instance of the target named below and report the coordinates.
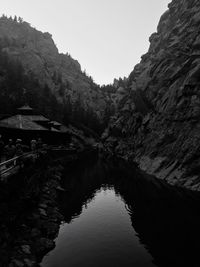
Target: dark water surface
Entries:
(117, 216)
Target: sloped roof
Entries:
(23, 122)
(31, 122)
(25, 107)
(37, 118)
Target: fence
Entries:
(15, 163)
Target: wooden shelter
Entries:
(28, 125)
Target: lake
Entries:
(116, 215)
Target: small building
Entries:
(27, 125)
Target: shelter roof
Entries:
(25, 107)
(22, 122)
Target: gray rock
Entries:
(29, 263)
(44, 245)
(26, 249)
(17, 263)
(35, 232)
(43, 212)
(43, 205)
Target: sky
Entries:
(107, 37)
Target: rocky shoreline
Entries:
(167, 169)
(36, 218)
(36, 234)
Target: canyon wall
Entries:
(158, 122)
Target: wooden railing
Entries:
(12, 163)
(18, 161)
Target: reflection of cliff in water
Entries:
(166, 218)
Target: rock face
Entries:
(40, 58)
(158, 123)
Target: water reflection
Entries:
(165, 221)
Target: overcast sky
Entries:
(107, 37)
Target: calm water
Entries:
(114, 216)
(101, 236)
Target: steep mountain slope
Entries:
(39, 57)
(158, 124)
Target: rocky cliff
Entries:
(40, 59)
(158, 123)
